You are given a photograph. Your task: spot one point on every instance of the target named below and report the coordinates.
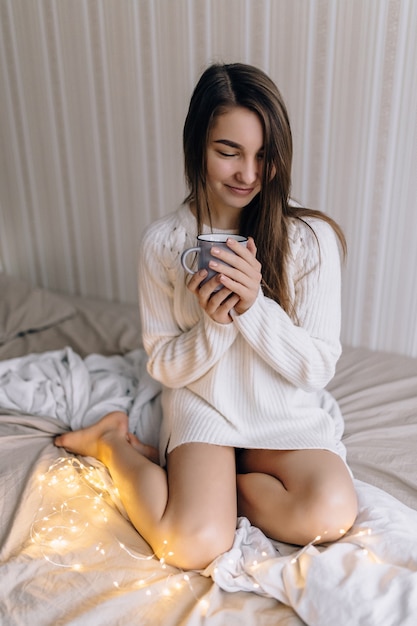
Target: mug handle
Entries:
(185, 255)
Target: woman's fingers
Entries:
(213, 297)
(240, 257)
(238, 272)
(242, 274)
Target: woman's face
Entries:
(234, 163)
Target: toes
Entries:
(58, 441)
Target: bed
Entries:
(68, 552)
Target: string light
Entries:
(76, 498)
(350, 537)
(81, 496)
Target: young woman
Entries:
(245, 430)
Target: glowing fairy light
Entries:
(346, 536)
(77, 499)
(204, 606)
(81, 498)
(364, 550)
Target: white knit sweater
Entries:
(256, 382)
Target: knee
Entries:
(329, 516)
(315, 513)
(196, 548)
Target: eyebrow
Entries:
(227, 142)
(233, 144)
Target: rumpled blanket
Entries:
(78, 392)
(368, 577)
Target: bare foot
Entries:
(87, 440)
(150, 452)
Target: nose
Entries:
(249, 171)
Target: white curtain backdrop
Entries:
(92, 102)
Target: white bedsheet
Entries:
(369, 577)
(62, 385)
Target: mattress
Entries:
(69, 554)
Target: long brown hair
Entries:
(266, 218)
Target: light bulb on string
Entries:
(76, 498)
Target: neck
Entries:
(223, 222)
(220, 220)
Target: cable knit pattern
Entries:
(256, 382)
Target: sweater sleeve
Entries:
(304, 351)
(181, 341)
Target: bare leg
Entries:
(297, 495)
(188, 514)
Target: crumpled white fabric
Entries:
(62, 385)
(368, 577)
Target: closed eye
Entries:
(227, 154)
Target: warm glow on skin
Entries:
(81, 492)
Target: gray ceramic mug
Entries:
(203, 249)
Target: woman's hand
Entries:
(242, 276)
(240, 279)
(217, 303)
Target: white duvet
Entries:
(369, 577)
(78, 391)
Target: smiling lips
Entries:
(241, 191)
